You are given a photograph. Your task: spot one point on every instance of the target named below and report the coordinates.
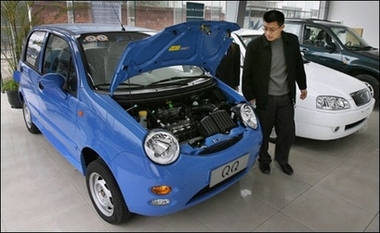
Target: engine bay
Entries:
(192, 116)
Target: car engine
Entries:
(196, 115)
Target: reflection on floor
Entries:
(335, 187)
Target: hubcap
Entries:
(101, 194)
(27, 116)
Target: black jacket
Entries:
(229, 67)
(257, 65)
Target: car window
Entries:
(58, 59)
(315, 36)
(307, 36)
(247, 39)
(293, 28)
(170, 73)
(33, 49)
(102, 52)
(349, 37)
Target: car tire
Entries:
(27, 115)
(371, 83)
(105, 193)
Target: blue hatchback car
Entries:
(140, 114)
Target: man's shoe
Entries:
(286, 168)
(264, 168)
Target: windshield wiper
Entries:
(131, 84)
(106, 85)
(181, 80)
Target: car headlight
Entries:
(332, 103)
(248, 116)
(161, 147)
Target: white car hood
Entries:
(326, 81)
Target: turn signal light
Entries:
(161, 190)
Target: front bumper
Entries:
(330, 125)
(189, 177)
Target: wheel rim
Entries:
(27, 116)
(101, 194)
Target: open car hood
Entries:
(199, 43)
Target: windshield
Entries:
(247, 38)
(103, 51)
(350, 38)
(171, 76)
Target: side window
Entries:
(307, 36)
(316, 37)
(33, 49)
(58, 59)
(293, 28)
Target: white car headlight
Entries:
(248, 116)
(161, 147)
(331, 103)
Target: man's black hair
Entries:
(274, 16)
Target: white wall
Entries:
(355, 14)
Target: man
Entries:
(229, 67)
(272, 67)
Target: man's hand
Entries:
(303, 94)
(253, 103)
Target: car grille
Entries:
(207, 190)
(221, 146)
(361, 97)
(350, 126)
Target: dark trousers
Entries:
(278, 113)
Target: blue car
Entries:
(140, 114)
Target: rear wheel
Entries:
(28, 119)
(105, 193)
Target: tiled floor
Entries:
(335, 187)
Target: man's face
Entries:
(272, 30)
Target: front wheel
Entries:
(105, 193)
(28, 119)
(371, 83)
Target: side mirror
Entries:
(53, 83)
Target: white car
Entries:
(337, 104)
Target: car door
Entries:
(59, 111)
(29, 70)
(317, 44)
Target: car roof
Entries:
(316, 21)
(248, 32)
(83, 28)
